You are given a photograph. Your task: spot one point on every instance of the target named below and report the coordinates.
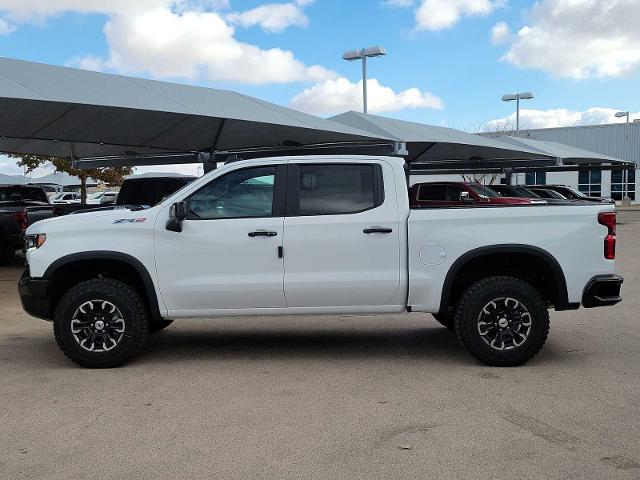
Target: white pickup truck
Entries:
(316, 235)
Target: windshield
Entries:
(483, 191)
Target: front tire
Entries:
(100, 323)
(502, 321)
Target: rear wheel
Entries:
(502, 321)
(100, 323)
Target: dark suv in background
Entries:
(150, 189)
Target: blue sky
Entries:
(448, 61)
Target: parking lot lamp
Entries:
(510, 97)
(363, 54)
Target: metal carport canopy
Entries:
(431, 146)
(71, 113)
(565, 154)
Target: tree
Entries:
(491, 130)
(111, 175)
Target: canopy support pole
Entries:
(508, 173)
(210, 164)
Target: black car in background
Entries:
(20, 206)
(513, 191)
(547, 193)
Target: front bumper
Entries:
(34, 295)
(602, 291)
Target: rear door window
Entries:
(334, 189)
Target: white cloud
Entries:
(579, 38)
(398, 3)
(443, 14)
(559, 117)
(340, 94)
(177, 39)
(6, 28)
(272, 17)
(500, 33)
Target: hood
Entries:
(87, 219)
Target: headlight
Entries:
(35, 241)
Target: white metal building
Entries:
(620, 140)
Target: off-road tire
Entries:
(469, 309)
(445, 319)
(158, 325)
(133, 310)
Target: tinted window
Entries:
(437, 193)
(138, 193)
(338, 189)
(14, 194)
(243, 193)
(453, 193)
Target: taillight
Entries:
(608, 219)
(21, 219)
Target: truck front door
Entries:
(228, 255)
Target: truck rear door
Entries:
(342, 241)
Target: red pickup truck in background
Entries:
(438, 194)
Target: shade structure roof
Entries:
(60, 112)
(565, 154)
(445, 147)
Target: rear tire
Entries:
(100, 323)
(502, 321)
(445, 319)
(158, 325)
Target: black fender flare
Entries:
(121, 257)
(562, 296)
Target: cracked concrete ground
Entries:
(326, 397)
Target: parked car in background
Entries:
(547, 193)
(66, 197)
(20, 206)
(102, 198)
(573, 194)
(518, 191)
(150, 189)
(439, 194)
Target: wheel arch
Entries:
(535, 254)
(84, 260)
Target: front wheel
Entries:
(100, 323)
(502, 321)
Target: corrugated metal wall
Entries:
(621, 140)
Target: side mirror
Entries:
(465, 197)
(177, 213)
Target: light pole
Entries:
(363, 54)
(623, 114)
(510, 97)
